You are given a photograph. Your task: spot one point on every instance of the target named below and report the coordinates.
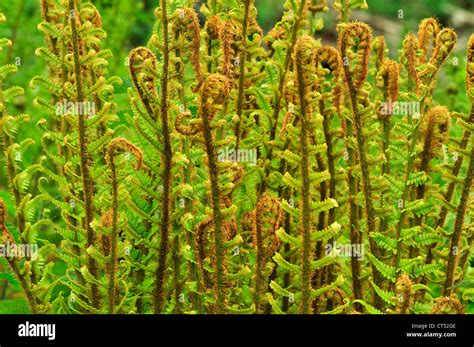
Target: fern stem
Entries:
(216, 211)
(113, 241)
(32, 303)
(158, 294)
(458, 224)
(87, 184)
(243, 59)
(366, 181)
(177, 276)
(260, 268)
(448, 195)
(190, 237)
(305, 191)
(214, 94)
(353, 217)
(405, 192)
(282, 81)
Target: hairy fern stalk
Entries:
(228, 169)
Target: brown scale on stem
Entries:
(214, 27)
(202, 231)
(379, 46)
(410, 47)
(228, 43)
(470, 68)
(387, 79)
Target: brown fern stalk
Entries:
(186, 146)
(458, 225)
(466, 135)
(214, 91)
(303, 49)
(141, 60)
(363, 33)
(87, 184)
(283, 78)
(389, 74)
(260, 267)
(328, 56)
(266, 243)
(379, 43)
(354, 233)
(118, 144)
(243, 59)
(436, 132)
(158, 292)
(410, 46)
(287, 225)
(445, 42)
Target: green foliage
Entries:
(218, 168)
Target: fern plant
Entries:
(236, 170)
